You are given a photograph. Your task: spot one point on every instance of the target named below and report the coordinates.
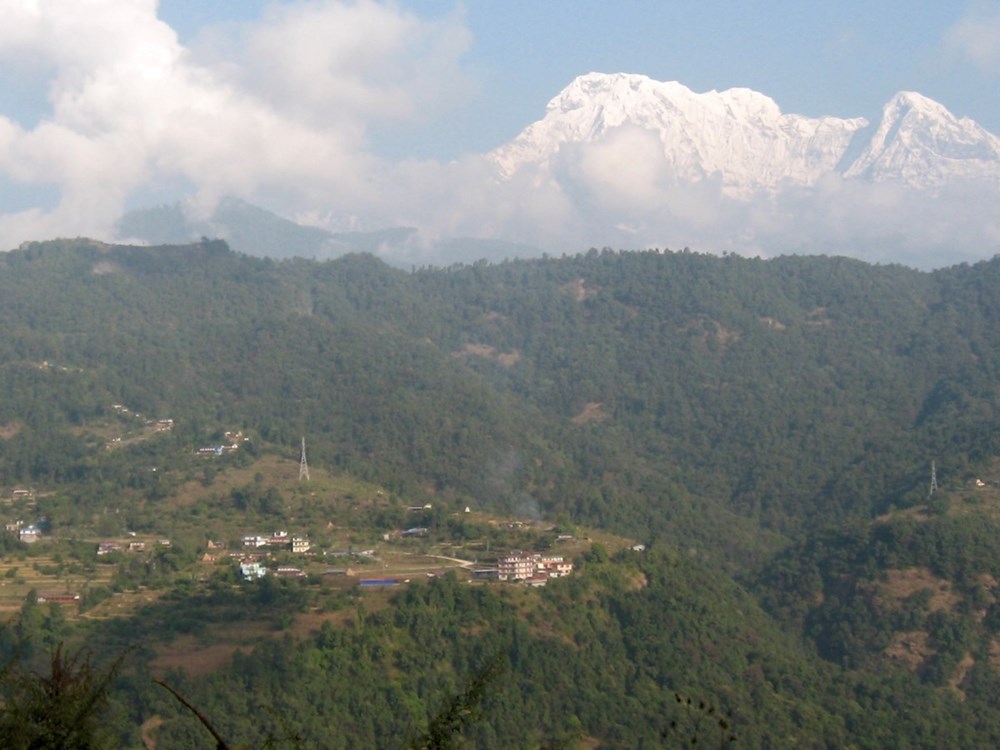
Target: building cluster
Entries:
(58, 598)
(133, 545)
(159, 425)
(29, 534)
(533, 568)
(233, 442)
(155, 425)
(297, 543)
(252, 569)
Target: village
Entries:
(532, 568)
(394, 559)
(47, 572)
(349, 548)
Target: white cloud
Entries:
(277, 111)
(130, 107)
(580, 207)
(976, 36)
(624, 170)
(334, 62)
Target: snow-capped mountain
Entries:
(920, 143)
(742, 138)
(624, 161)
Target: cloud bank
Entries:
(282, 116)
(278, 112)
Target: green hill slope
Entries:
(749, 418)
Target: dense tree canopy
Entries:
(767, 426)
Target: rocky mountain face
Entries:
(742, 138)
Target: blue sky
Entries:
(360, 114)
(814, 58)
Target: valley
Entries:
(719, 468)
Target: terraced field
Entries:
(49, 576)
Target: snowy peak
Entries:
(742, 138)
(912, 100)
(738, 136)
(919, 142)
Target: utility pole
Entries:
(303, 464)
(934, 484)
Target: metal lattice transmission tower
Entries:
(934, 484)
(303, 464)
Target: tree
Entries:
(445, 728)
(58, 711)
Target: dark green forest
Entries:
(766, 428)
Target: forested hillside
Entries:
(766, 428)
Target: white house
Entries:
(252, 570)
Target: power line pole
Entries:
(934, 484)
(303, 464)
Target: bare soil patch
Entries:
(818, 317)
(995, 653)
(307, 624)
(149, 726)
(909, 649)
(196, 660)
(638, 582)
(961, 670)
(506, 359)
(593, 411)
(902, 583)
(579, 289)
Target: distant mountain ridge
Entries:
(248, 228)
(742, 136)
(622, 160)
(258, 232)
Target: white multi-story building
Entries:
(517, 566)
(524, 566)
